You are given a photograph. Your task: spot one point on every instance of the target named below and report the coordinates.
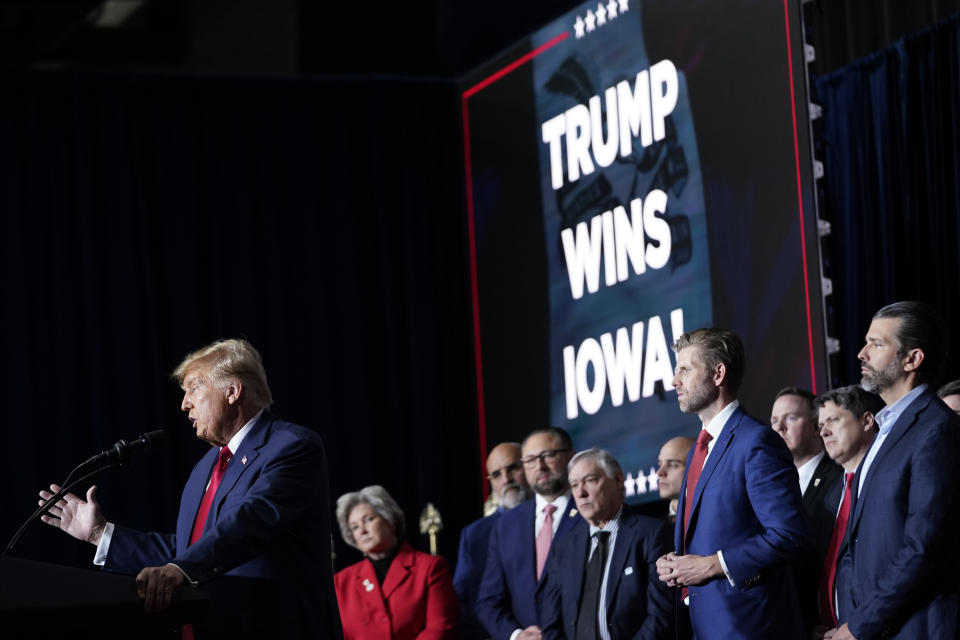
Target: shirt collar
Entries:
(560, 503)
(238, 437)
(715, 426)
(888, 415)
(611, 525)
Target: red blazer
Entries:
(416, 600)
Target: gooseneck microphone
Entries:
(115, 456)
(123, 449)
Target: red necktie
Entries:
(693, 477)
(827, 578)
(543, 539)
(218, 471)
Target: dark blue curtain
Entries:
(891, 150)
(146, 215)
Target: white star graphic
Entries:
(641, 482)
(624, 5)
(612, 9)
(628, 485)
(578, 27)
(653, 479)
(591, 19)
(601, 15)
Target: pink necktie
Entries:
(543, 539)
(215, 479)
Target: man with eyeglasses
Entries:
(521, 539)
(602, 583)
(509, 485)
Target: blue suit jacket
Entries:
(747, 504)
(507, 597)
(471, 559)
(638, 604)
(897, 574)
(269, 521)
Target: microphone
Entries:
(123, 449)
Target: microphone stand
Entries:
(67, 485)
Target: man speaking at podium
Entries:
(255, 506)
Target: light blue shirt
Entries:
(887, 417)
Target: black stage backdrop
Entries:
(891, 150)
(145, 216)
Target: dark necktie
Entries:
(693, 477)
(828, 613)
(204, 510)
(590, 596)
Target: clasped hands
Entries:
(687, 570)
(83, 520)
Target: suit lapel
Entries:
(366, 584)
(621, 549)
(580, 544)
(242, 459)
(719, 449)
(817, 485)
(567, 521)
(400, 568)
(906, 420)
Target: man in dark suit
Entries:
(792, 416)
(847, 423)
(509, 485)
(521, 540)
(897, 576)
(740, 520)
(256, 506)
(602, 583)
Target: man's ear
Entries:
(868, 421)
(234, 392)
(912, 360)
(719, 374)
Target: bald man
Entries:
(509, 485)
(671, 464)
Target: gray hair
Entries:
(231, 360)
(379, 500)
(600, 457)
(949, 389)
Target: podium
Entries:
(40, 600)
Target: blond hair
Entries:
(231, 360)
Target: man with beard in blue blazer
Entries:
(602, 582)
(521, 539)
(897, 573)
(509, 485)
(255, 507)
(740, 520)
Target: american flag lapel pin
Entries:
(816, 482)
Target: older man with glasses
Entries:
(521, 539)
(509, 487)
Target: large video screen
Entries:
(636, 170)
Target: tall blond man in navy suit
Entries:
(740, 520)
